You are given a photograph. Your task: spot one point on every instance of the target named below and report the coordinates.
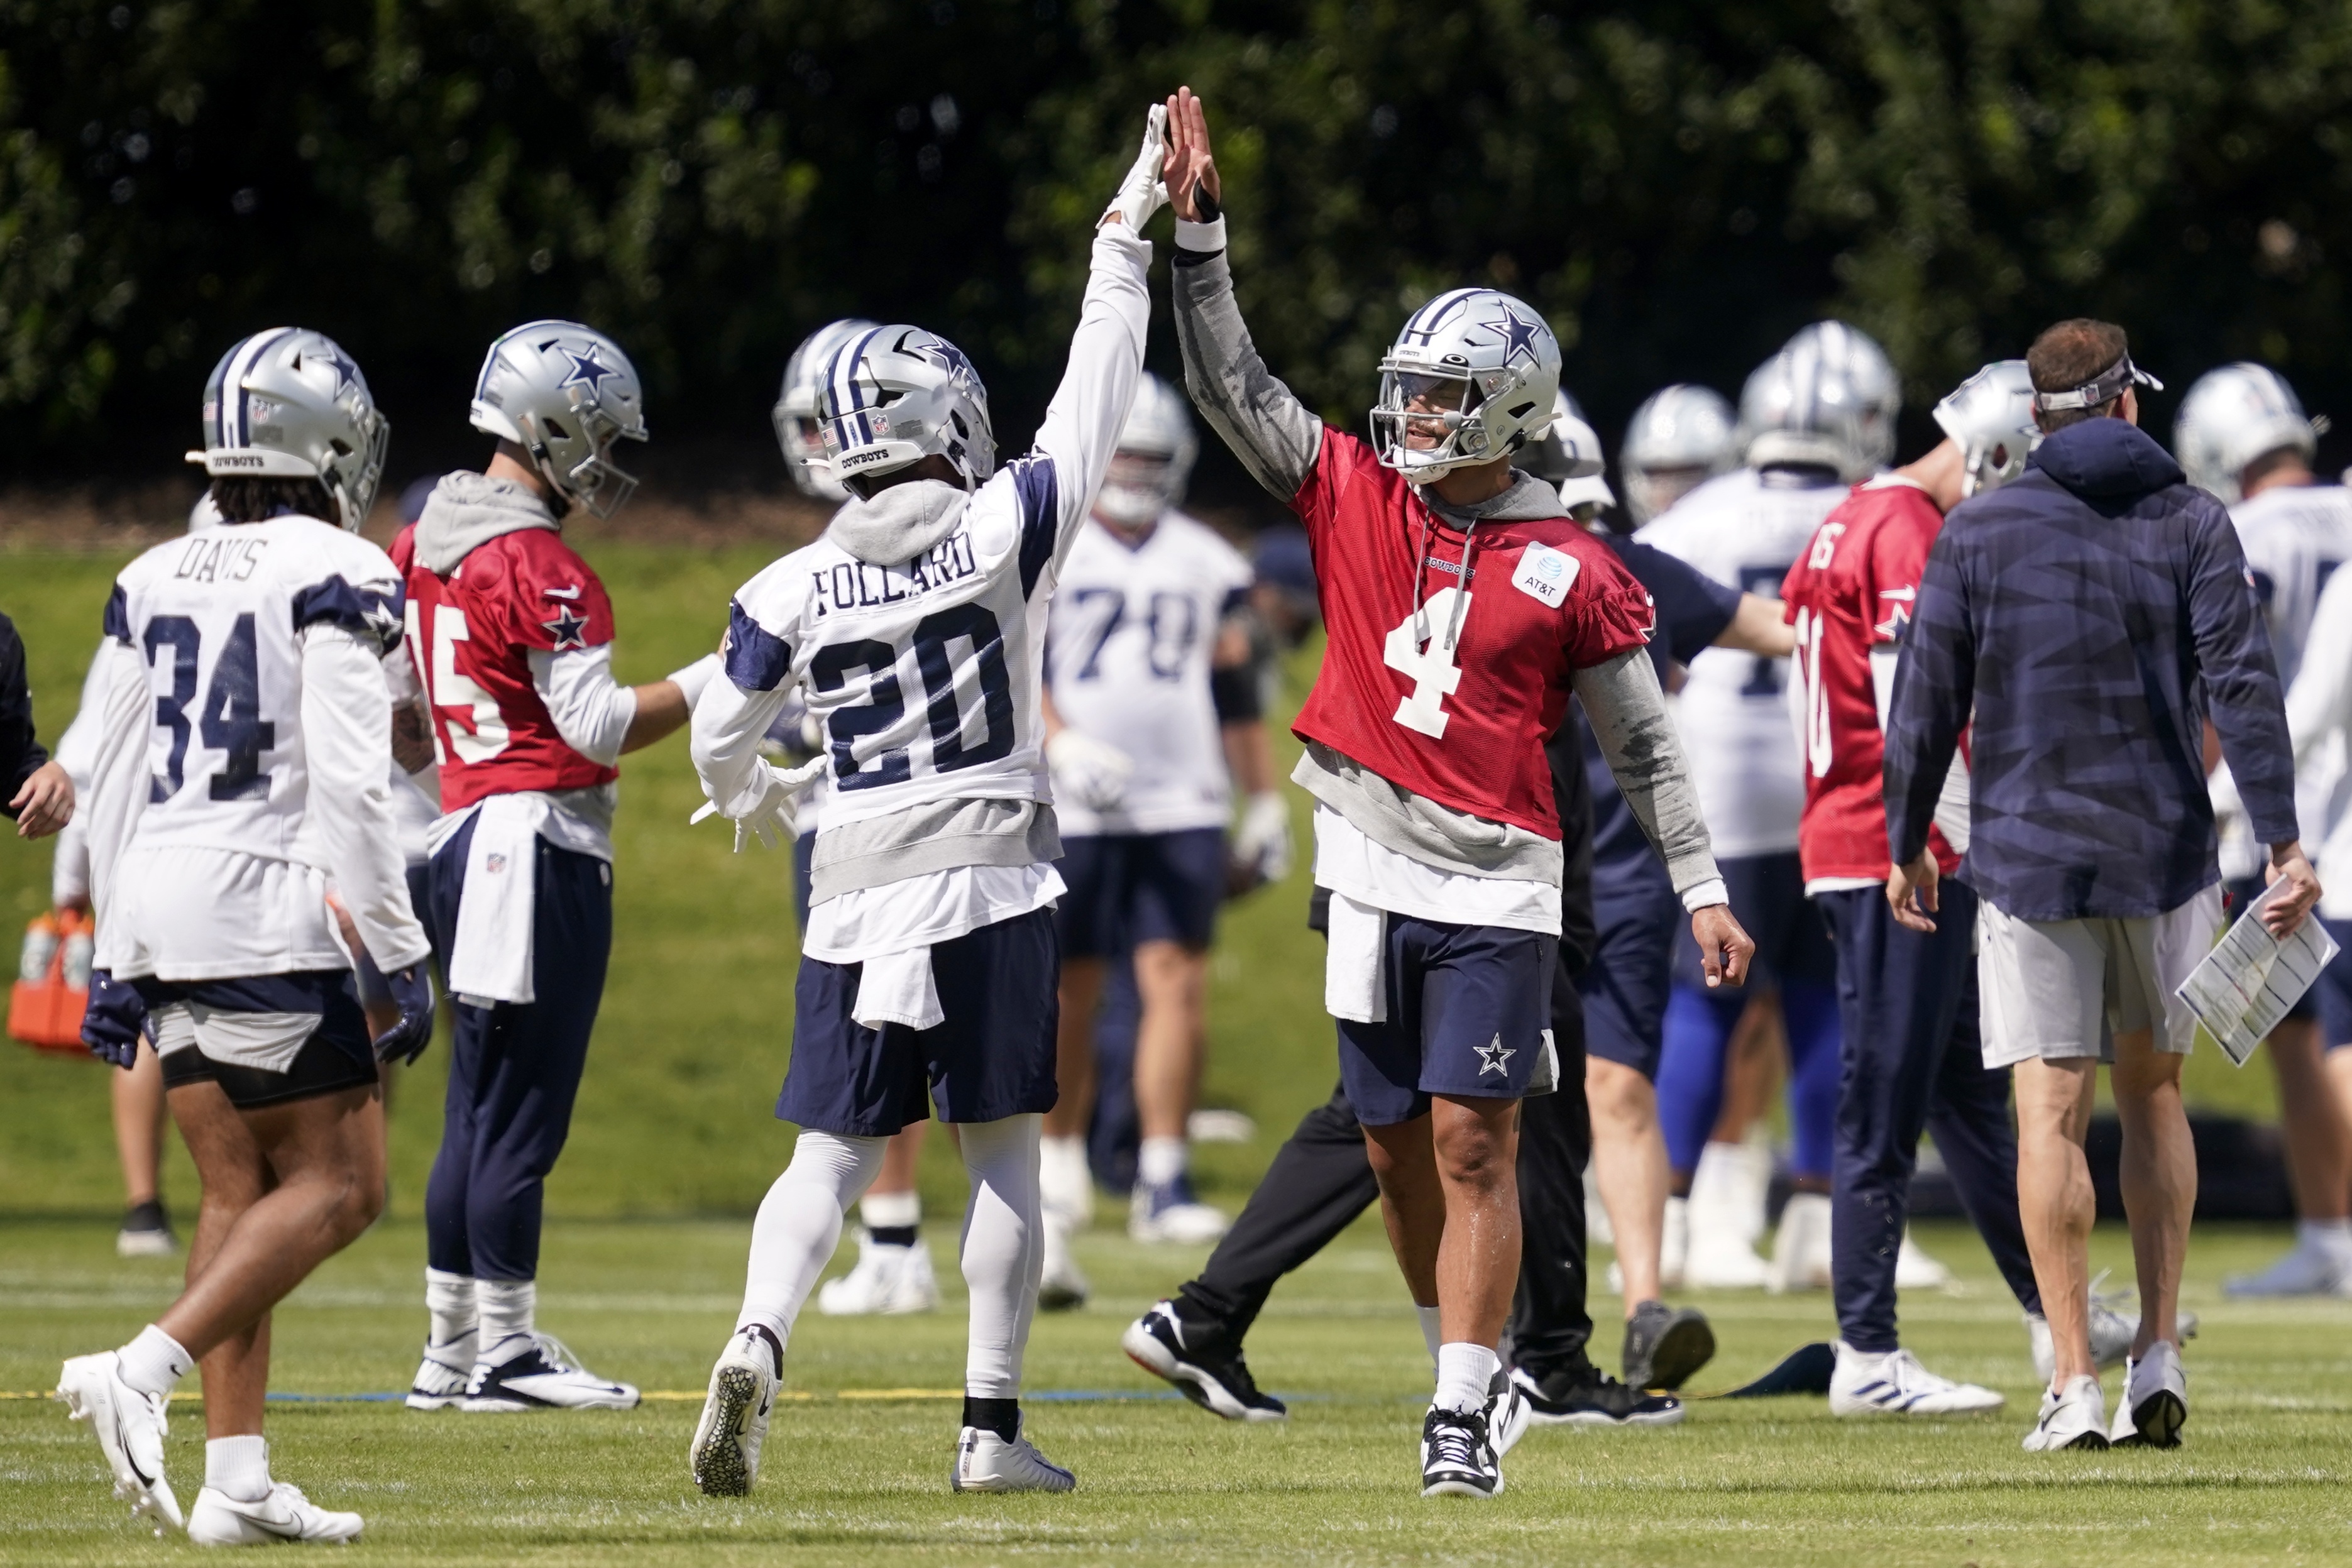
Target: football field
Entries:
(674, 1145)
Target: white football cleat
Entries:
(1062, 1285)
(1896, 1384)
(734, 1425)
(1509, 1413)
(438, 1384)
(2306, 1270)
(887, 1280)
(1801, 1251)
(986, 1462)
(2075, 1417)
(535, 1372)
(219, 1519)
(1167, 1211)
(2155, 1400)
(1914, 1270)
(130, 1427)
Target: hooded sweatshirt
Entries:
(2094, 613)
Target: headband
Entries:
(2105, 387)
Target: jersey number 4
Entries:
(229, 720)
(1430, 666)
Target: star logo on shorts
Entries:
(567, 630)
(1495, 1057)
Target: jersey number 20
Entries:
(885, 707)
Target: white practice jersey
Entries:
(244, 761)
(1130, 644)
(1744, 529)
(2294, 537)
(924, 676)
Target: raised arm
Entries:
(1276, 435)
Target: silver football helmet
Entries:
(1681, 436)
(1485, 368)
(1990, 417)
(288, 405)
(1827, 398)
(565, 394)
(1154, 460)
(794, 415)
(2233, 415)
(894, 395)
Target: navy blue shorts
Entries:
(2244, 891)
(339, 1055)
(1132, 888)
(2332, 990)
(1767, 899)
(1469, 1018)
(1632, 973)
(993, 1057)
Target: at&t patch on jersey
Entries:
(1545, 574)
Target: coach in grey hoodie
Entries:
(2093, 615)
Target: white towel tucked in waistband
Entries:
(268, 1042)
(1353, 962)
(897, 987)
(491, 961)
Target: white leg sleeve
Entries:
(800, 1224)
(1003, 1250)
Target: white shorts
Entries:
(2062, 990)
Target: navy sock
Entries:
(893, 1235)
(1001, 1416)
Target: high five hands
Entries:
(1190, 173)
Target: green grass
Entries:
(674, 1128)
(2263, 1476)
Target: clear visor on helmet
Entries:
(1421, 415)
(596, 482)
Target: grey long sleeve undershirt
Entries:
(1276, 435)
(1637, 737)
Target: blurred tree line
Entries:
(1677, 185)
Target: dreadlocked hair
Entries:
(243, 499)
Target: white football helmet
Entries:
(2233, 415)
(1156, 451)
(894, 395)
(564, 393)
(1681, 436)
(794, 415)
(1990, 417)
(288, 405)
(1507, 364)
(1827, 398)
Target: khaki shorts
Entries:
(2062, 990)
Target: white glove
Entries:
(768, 814)
(1142, 193)
(1263, 841)
(1095, 772)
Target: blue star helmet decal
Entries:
(1518, 334)
(347, 374)
(587, 369)
(569, 629)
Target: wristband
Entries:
(1706, 894)
(1209, 236)
(692, 679)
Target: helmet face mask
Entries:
(1471, 378)
(2235, 415)
(1990, 417)
(289, 403)
(1154, 458)
(1681, 436)
(567, 395)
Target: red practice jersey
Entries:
(472, 633)
(1851, 591)
(1464, 726)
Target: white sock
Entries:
(1430, 1335)
(1065, 1182)
(1003, 1250)
(237, 1468)
(891, 1210)
(507, 1307)
(154, 1362)
(449, 1310)
(1464, 1371)
(800, 1225)
(2332, 1237)
(1161, 1160)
